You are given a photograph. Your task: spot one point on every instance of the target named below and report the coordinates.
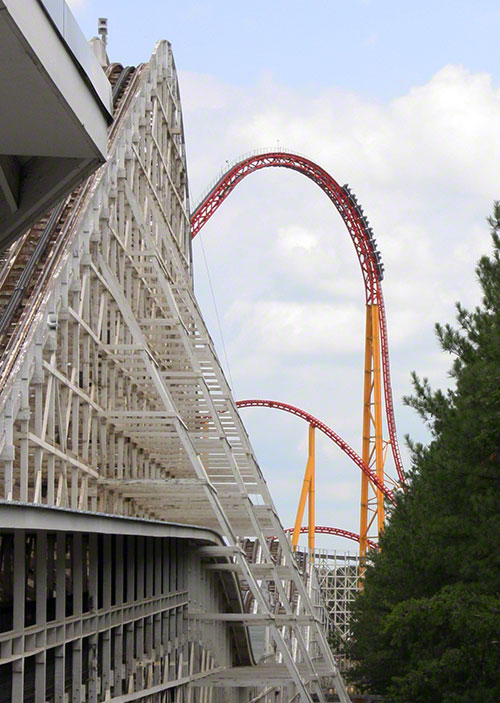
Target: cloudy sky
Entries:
(400, 100)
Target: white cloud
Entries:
(303, 329)
(289, 289)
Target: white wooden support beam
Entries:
(254, 618)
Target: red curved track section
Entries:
(324, 530)
(346, 448)
(357, 227)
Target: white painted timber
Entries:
(112, 398)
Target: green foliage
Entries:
(427, 624)
(336, 642)
(449, 643)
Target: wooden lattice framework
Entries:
(112, 399)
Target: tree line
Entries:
(426, 625)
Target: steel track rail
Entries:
(331, 434)
(337, 531)
(358, 228)
(25, 277)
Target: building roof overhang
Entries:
(55, 108)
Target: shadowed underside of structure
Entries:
(116, 419)
(54, 110)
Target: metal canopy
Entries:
(26, 516)
(55, 106)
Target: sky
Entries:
(400, 100)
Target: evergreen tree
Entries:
(426, 626)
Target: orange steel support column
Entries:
(300, 510)
(377, 405)
(365, 455)
(312, 519)
(307, 492)
(372, 499)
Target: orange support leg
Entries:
(372, 499)
(306, 493)
(312, 490)
(377, 406)
(300, 510)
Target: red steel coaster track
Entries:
(331, 434)
(308, 492)
(376, 339)
(337, 531)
